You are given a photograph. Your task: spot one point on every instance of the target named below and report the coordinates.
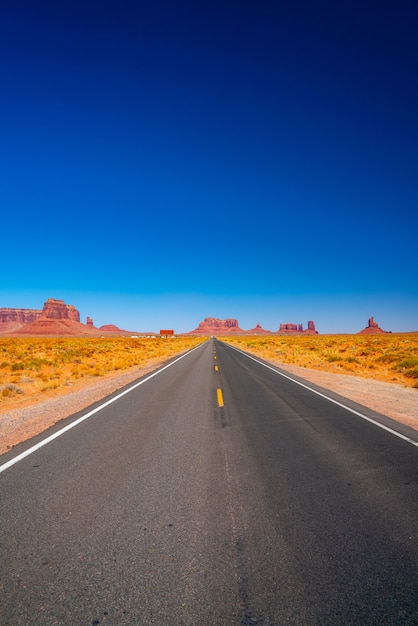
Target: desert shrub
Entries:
(52, 384)
(10, 390)
(387, 358)
(413, 372)
(17, 366)
(408, 363)
(35, 363)
(333, 356)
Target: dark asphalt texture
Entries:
(279, 508)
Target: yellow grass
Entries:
(30, 367)
(389, 358)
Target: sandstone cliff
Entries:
(56, 318)
(13, 319)
(290, 328)
(58, 310)
(20, 316)
(215, 326)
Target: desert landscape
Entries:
(391, 358)
(45, 379)
(52, 365)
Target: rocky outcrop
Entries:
(13, 319)
(290, 328)
(215, 326)
(311, 330)
(258, 330)
(56, 318)
(20, 316)
(110, 328)
(58, 310)
(372, 328)
(55, 328)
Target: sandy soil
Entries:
(17, 425)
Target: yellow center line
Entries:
(220, 397)
(216, 368)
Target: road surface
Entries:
(216, 492)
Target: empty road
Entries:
(215, 492)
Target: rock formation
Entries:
(13, 319)
(20, 316)
(290, 328)
(89, 322)
(110, 328)
(258, 330)
(372, 328)
(58, 310)
(215, 326)
(56, 318)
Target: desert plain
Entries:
(38, 373)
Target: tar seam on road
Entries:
(42, 443)
(318, 393)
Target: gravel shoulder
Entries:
(17, 425)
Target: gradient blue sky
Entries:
(164, 161)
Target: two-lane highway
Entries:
(216, 492)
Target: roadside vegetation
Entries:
(31, 367)
(390, 358)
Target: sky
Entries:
(162, 162)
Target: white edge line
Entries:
(318, 393)
(60, 432)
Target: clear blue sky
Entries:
(164, 161)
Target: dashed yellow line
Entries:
(220, 397)
(216, 368)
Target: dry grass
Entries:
(31, 368)
(389, 358)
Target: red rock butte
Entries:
(55, 319)
(215, 326)
(59, 319)
(286, 329)
(373, 328)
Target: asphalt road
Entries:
(217, 492)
